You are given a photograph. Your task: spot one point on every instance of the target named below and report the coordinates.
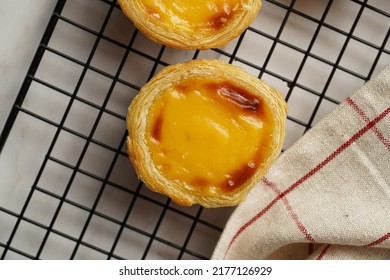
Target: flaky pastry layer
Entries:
(138, 124)
(165, 22)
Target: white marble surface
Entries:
(21, 26)
(30, 138)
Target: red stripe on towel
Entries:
(309, 174)
(379, 240)
(290, 210)
(363, 115)
(322, 254)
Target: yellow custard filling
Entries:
(193, 14)
(211, 135)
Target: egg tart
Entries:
(205, 132)
(191, 24)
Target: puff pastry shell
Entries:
(184, 193)
(204, 25)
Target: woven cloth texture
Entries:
(327, 196)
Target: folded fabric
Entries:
(327, 196)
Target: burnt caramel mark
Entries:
(152, 12)
(200, 182)
(156, 129)
(240, 97)
(234, 179)
(220, 19)
(238, 177)
(182, 88)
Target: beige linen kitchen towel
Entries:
(326, 197)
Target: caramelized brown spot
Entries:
(240, 97)
(156, 130)
(239, 176)
(182, 88)
(220, 19)
(153, 12)
(200, 182)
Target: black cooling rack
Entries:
(78, 197)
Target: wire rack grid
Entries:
(69, 191)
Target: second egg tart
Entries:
(191, 24)
(205, 132)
